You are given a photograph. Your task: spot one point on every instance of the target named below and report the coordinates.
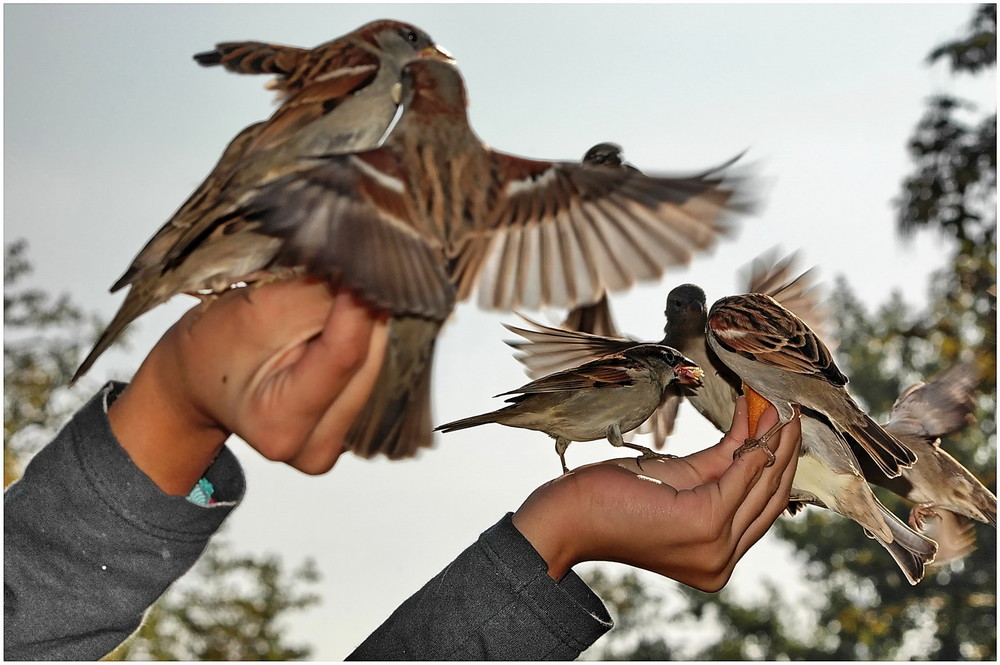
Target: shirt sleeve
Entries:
(496, 601)
(90, 542)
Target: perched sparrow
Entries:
(920, 417)
(603, 398)
(433, 200)
(338, 99)
(549, 349)
(782, 362)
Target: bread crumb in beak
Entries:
(690, 375)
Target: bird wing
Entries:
(661, 422)
(256, 58)
(563, 233)
(316, 98)
(799, 293)
(595, 318)
(939, 407)
(547, 349)
(340, 217)
(192, 219)
(757, 327)
(598, 373)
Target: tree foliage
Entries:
(43, 336)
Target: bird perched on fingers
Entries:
(337, 98)
(549, 349)
(434, 199)
(602, 398)
(782, 362)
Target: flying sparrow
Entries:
(596, 317)
(782, 362)
(338, 98)
(602, 398)
(923, 414)
(433, 199)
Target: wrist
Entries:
(167, 437)
(552, 530)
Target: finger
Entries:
(325, 443)
(713, 461)
(317, 371)
(738, 490)
(780, 476)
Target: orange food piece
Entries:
(756, 405)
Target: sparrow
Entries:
(337, 98)
(433, 214)
(601, 398)
(548, 349)
(923, 414)
(781, 361)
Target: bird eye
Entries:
(410, 36)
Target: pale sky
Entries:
(109, 125)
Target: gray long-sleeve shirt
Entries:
(90, 542)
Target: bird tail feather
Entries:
(465, 423)
(133, 307)
(888, 453)
(911, 551)
(396, 419)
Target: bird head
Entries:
(605, 154)
(400, 41)
(685, 307)
(668, 363)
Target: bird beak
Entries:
(690, 375)
(437, 53)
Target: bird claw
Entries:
(919, 515)
(755, 444)
(648, 454)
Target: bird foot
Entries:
(648, 454)
(919, 515)
(755, 444)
